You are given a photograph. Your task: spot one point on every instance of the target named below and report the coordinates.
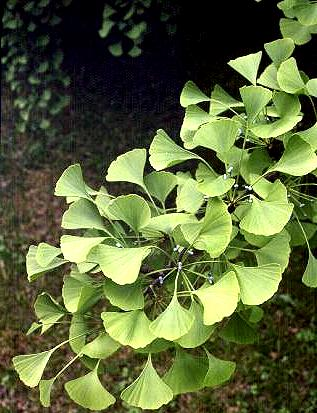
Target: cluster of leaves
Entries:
(300, 20)
(193, 254)
(125, 23)
(32, 62)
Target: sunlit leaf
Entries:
(188, 198)
(191, 95)
(255, 99)
(210, 183)
(160, 184)
(218, 135)
(164, 152)
(289, 77)
(258, 284)
(221, 101)
(309, 136)
(101, 347)
(247, 66)
(122, 265)
(88, 392)
(131, 209)
(275, 251)
(280, 49)
(76, 249)
(45, 388)
(79, 294)
(128, 167)
(298, 158)
(293, 29)
(46, 253)
(78, 331)
(82, 214)
(48, 311)
(34, 269)
(71, 183)
(311, 87)
(130, 328)
(174, 322)
(219, 300)
(30, 367)
(269, 77)
(148, 391)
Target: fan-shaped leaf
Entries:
(191, 95)
(71, 183)
(122, 265)
(289, 78)
(258, 284)
(127, 297)
(160, 184)
(30, 367)
(219, 300)
(210, 183)
(79, 294)
(293, 29)
(311, 86)
(255, 98)
(275, 251)
(128, 167)
(101, 347)
(219, 371)
(199, 332)
(148, 391)
(280, 49)
(309, 136)
(131, 209)
(247, 66)
(82, 214)
(221, 101)
(187, 373)
(34, 269)
(310, 274)
(88, 392)
(174, 322)
(129, 328)
(48, 311)
(46, 253)
(218, 135)
(164, 152)
(45, 388)
(238, 330)
(188, 198)
(298, 158)
(76, 249)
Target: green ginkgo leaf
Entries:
(276, 128)
(76, 249)
(298, 158)
(79, 294)
(210, 183)
(30, 367)
(280, 49)
(166, 223)
(194, 118)
(130, 328)
(71, 183)
(45, 254)
(266, 217)
(127, 297)
(286, 104)
(131, 209)
(255, 99)
(191, 95)
(45, 388)
(160, 184)
(219, 300)
(34, 269)
(212, 233)
(199, 332)
(221, 101)
(101, 347)
(276, 250)
(78, 332)
(88, 392)
(188, 198)
(293, 29)
(187, 373)
(219, 371)
(164, 152)
(307, 15)
(310, 274)
(148, 391)
(122, 265)
(247, 66)
(128, 167)
(82, 214)
(174, 322)
(238, 330)
(258, 284)
(48, 311)
(309, 136)
(218, 135)
(311, 87)
(289, 77)
(269, 77)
